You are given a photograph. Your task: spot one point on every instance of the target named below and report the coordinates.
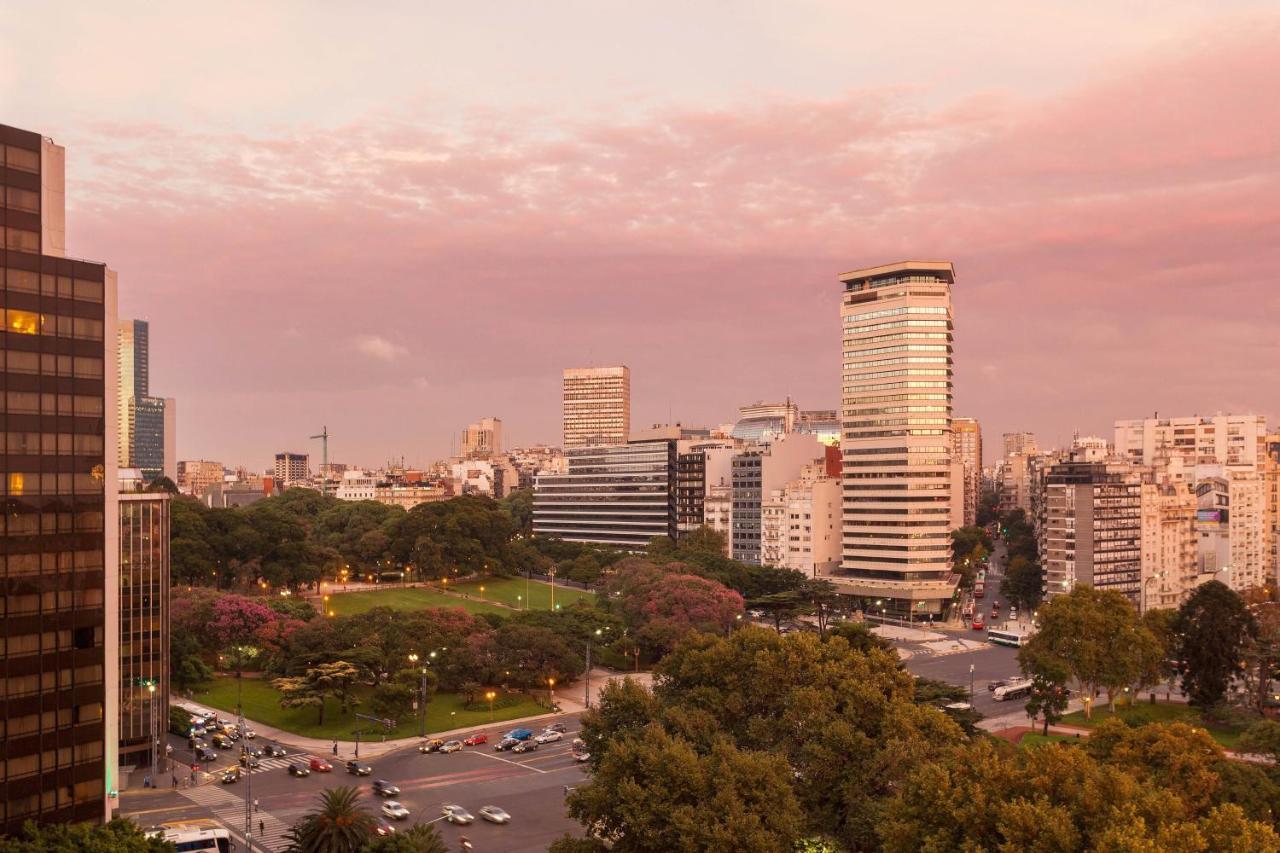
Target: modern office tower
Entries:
(896, 411)
(621, 495)
(144, 628)
(597, 406)
(1170, 564)
(966, 444)
(1020, 442)
(58, 553)
(145, 434)
(482, 439)
(1091, 530)
(763, 422)
(1237, 440)
(756, 473)
(291, 468)
(197, 476)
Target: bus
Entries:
(1004, 638)
(195, 836)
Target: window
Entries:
(22, 159)
(21, 240)
(16, 199)
(23, 322)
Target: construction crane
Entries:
(324, 459)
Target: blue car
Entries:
(519, 734)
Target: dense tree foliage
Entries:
(844, 722)
(118, 836)
(1213, 627)
(660, 605)
(970, 547)
(1093, 637)
(419, 838)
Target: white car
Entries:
(457, 814)
(250, 733)
(394, 810)
(493, 814)
(549, 737)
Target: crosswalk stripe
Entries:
(229, 810)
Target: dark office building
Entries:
(57, 481)
(144, 624)
(691, 489)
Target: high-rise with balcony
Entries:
(482, 439)
(966, 442)
(900, 503)
(597, 406)
(292, 468)
(58, 552)
(144, 627)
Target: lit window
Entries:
(23, 322)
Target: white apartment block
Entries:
(1170, 558)
(966, 442)
(357, 486)
(1235, 440)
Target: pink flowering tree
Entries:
(661, 606)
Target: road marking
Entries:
(513, 763)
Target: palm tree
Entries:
(420, 838)
(340, 825)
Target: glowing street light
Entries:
(490, 695)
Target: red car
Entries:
(977, 622)
(474, 740)
(319, 765)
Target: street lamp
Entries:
(551, 686)
(490, 695)
(422, 698)
(970, 685)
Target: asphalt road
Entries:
(529, 787)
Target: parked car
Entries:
(457, 814)
(274, 750)
(557, 727)
(525, 746)
(355, 768)
(475, 740)
(549, 737)
(319, 765)
(519, 734)
(231, 775)
(505, 744)
(206, 754)
(579, 744)
(381, 827)
(299, 770)
(383, 788)
(430, 746)
(451, 746)
(394, 810)
(493, 814)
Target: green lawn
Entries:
(262, 704)
(413, 598)
(513, 592)
(1032, 739)
(1161, 712)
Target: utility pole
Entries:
(248, 771)
(324, 459)
(587, 697)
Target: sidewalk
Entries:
(569, 700)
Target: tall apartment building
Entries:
(1236, 440)
(1091, 528)
(597, 406)
(1170, 558)
(482, 439)
(58, 552)
(800, 522)
(896, 443)
(966, 451)
(146, 434)
(700, 466)
(197, 476)
(291, 468)
(1271, 494)
(757, 472)
(621, 495)
(144, 627)
(1020, 442)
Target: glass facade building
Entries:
(144, 421)
(620, 495)
(57, 481)
(144, 623)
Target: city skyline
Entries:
(698, 225)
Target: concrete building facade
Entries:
(482, 439)
(197, 476)
(1170, 564)
(1091, 529)
(966, 444)
(1235, 440)
(896, 440)
(291, 468)
(597, 406)
(756, 473)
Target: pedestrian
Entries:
(255, 805)
(175, 780)
(262, 827)
(335, 747)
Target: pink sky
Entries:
(396, 222)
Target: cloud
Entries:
(380, 348)
(1114, 245)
